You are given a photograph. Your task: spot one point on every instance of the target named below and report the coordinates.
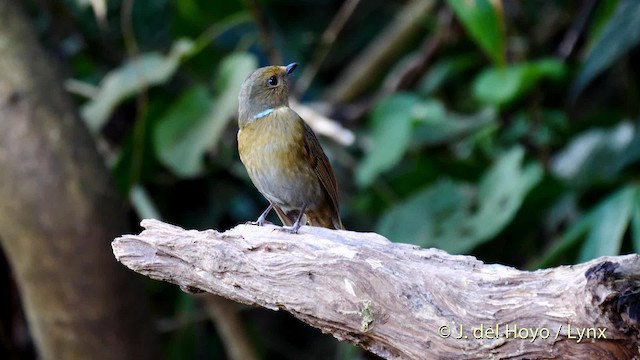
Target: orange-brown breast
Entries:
(271, 148)
(275, 149)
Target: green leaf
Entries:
(597, 155)
(139, 73)
(180, 137)
(485, 25)
(621, 34)
(143, 204)
(191, 12)
(391, 134)
(195, 123)
(608, 225)
(501, 86)
(598, 20)
(635, 224)
(501, 192)
(456, 217)
(631, 152)
(541, 128)
(569, 239)
(346, 351)
(233, 70)
(440, 72)
(425, 218)
(441, 127)
(604, 225)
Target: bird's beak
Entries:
(290, 68)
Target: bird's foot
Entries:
(289, 229)
(262, 219)
(296, 225)
(259, 223)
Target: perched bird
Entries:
(282, 154)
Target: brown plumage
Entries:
(282, 154)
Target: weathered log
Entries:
(401, 301)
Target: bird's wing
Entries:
(322, 168)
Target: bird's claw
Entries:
(259, 223)
(289, 229)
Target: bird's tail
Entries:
(314, 218)
(289, 218)
(325, 219)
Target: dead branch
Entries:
(401, 301)
(381, 52)
(327, 40)
(225, 317)
(323, 125)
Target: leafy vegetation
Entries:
(506, 130)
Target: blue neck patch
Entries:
(262, 114)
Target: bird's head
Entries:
(266, 89)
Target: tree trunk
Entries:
(58, 212)
(401, 301)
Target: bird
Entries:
(282, 154)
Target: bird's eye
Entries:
(272, 81)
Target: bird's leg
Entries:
(263, 216)
(296, 225)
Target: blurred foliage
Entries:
(484, 23)
(515, 143)
(461, 216)
(619, 35)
